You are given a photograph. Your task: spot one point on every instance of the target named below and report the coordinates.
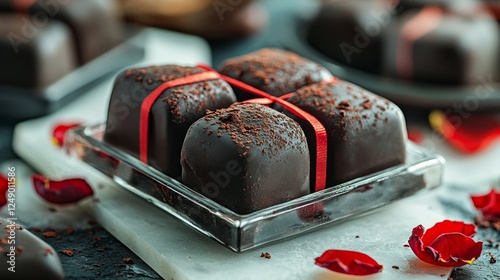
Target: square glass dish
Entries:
(422, 170)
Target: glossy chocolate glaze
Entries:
(34, 259)
(95, 24)
(366, 133)
(274, 71)
(246, 157)
(38, 61)
(170, 117)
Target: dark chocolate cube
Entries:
(457, 49)
(350, 32)
(246, 157)
(366, 133)
(95, 24)
(170, 117)
(273, 71)
(34, 59)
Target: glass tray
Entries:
(422, 170)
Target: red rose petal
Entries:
(447, 243)
(415, 135)
(348, 262)
(59, 132)
(488, 204)
(447, 226)
(469, 135)
(4, 186)
(61, 192)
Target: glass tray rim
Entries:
(239, 220)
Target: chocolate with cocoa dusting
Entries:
(366, 133)
(170, 116)
(246, 157)
(273, 71)
(33, 257)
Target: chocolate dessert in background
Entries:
(463, 5)
(39, 61)
(208, 19)
(435, 45)
(493, 6)
(273, 71)
(246, 157)
(33, 258)
(350, 32)
(447, 42)
(170, 116)
(94, 24)
(366, 133)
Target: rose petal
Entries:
(447, 226)
(488, 204)
(59, 132)
(61, 192)
(348, 262)
(447, 243)
(4, 186)
(416, 135)
(469, 135)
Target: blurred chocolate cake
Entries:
(37, 61)
(94, 24)
(435, 45)
(350, 32)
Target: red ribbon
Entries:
(319, 129)
(267, 99)
(422, 24)
(148, 102)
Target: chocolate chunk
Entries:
(260, 158)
